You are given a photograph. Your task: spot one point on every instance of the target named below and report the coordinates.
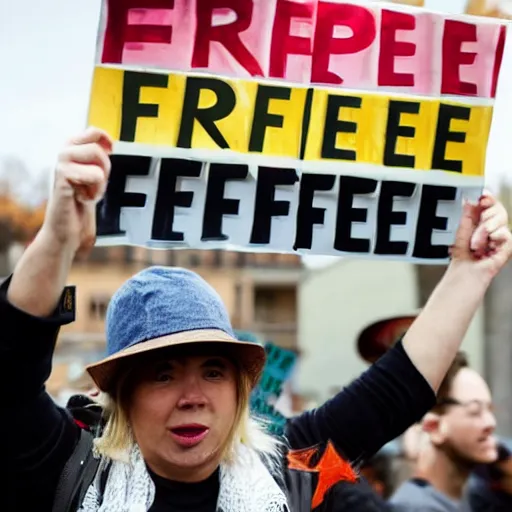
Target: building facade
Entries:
(340, 300)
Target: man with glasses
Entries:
(458, 437)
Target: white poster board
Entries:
(331, 128)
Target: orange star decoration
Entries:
(331, 469)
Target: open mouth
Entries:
(189, 435)
(189, 431)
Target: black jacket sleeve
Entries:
(38, 436)
(374, 409)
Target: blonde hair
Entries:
(117, 437)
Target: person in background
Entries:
(178, 434)
(459, 438)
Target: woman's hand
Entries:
(69, 225)
(483, 242)
(81, 178)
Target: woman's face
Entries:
(181, 412)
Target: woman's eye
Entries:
(214, 374)
(163, 377)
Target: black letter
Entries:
(226, 101)
(132, 109)
(386, 217)
(108, 210)
(306, 118)
(428, 221)
(333, 126)
(266, 206)
(444, 135)
(347, 214)
(216, 205)
(262, 117)
(168, 197)
(307, 216)
(395, 129)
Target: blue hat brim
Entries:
(251, 356)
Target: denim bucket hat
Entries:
(162, 307)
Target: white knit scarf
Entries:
(244, 485)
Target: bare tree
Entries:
(18, 221)
(489, 8)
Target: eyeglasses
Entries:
(473, 407)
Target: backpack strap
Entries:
(77, 475)
(299, 490)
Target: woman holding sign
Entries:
(176, 433)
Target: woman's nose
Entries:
(192, 395)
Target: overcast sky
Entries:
(46, 57)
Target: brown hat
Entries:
(376, 339)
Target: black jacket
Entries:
(81, 468)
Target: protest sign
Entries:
(340, 128)
(173, 202)
(278, 368)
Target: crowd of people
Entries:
(451, 459)
(171, 428)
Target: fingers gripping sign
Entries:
(484, 238)
(85, 164)
(81, 177)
